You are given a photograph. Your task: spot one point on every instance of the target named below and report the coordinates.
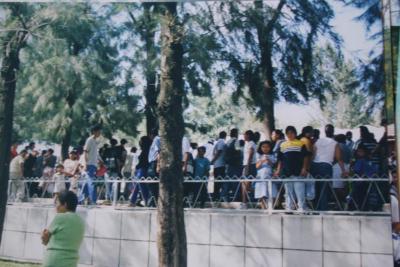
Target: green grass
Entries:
(5, 263)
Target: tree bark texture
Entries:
(171, 239)
(265, 34)
(10, 63)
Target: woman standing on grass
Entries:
(65, 234)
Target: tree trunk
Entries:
(171, 227)
(268, 83)
(10, 63)
(151, 57)
(265, 40)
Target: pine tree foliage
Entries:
(347, 103)
(372, 71)
(275, 42)
(70, 78)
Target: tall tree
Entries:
(347, 104)
(17, 23)
(143, 47)
(372, 70)
(144, 24)
(275, 41)
(171, 239)
(72, 78)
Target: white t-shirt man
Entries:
(132, 160)
(325, 150)
(246, 153)
(16, 166)
(185, 146)
(209, 150)
(154, 149)
(92, 151)
(220, 146)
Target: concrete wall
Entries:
(123, 238)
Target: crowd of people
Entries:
(288, 155)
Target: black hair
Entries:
(291, 129)
(123, 141)
(259, 150)
(133, 149)
(50, 150)
(31, 144)
(202, 148)
(279, 133)
(349, 134)
(154, 132)
(329, 130)
(316, 133)
(340, 138)
(24, 151)
(241, 143)
(250, 133)
(234, 132)
(69, 199)
(194, 145)
(113, 142)
(307, 130)
(364, 133)
(257, 137)
(95, 128)
(145, 143)
(222, 135)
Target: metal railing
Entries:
(355, 195)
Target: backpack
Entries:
(232, 155)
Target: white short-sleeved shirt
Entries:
(15, 165)
(246, 153)
(59, 182)
(219, 146)
(154, 149)
(185, 146)
(325, 150)
(70, 165)
(209, 151)
(394, 203)
(131, 162)
(91, 149)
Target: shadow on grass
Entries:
(6, 263)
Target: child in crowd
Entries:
(59, 181)
(264, 165)
(201, 172)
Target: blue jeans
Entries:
(89, 188)
(321, 170)
(110, 185)
(140, 186)
(295, 191)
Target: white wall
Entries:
(123, 238)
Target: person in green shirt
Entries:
(65, 234)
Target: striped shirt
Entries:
(291, 154)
